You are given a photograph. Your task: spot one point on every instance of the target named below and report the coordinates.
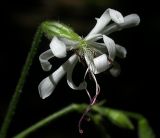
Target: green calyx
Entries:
(52, 29)
(82, 44)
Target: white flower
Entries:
(98, 56)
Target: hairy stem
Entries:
(46, 120)
(15, 98)
(73, 107)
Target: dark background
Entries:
(136, 89)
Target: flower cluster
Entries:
(98, 56)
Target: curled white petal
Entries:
(116, 16)
(58, 48)
(115, 70)
(47, 85)
(70, 82)
(105, 18)
(99, 46)
(44, 57)
(101, 23)
(111, 28)
(93, 37)
(129, 21)
(110, 46)
(101, 63)
(121, 52)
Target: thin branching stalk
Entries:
(47, 120)
(13, 103)
(71, 108)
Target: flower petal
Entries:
(58, 48)
(93, 37)
(110, 46)
(105, 18)
(101, 64)
(129, 21)
(121, 52)
(116, 16)
(47, 85)
(44, 57)
(99, 46)
(115, 70)
(101, 23)
(70, 82)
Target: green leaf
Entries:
(98, 119)
(118, 118)
(144, 130)
(52, 29)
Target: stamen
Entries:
(82, 117)
(92, 100)
(97, 85)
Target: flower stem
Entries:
(15, 98)
(73, 107)
(47, 120)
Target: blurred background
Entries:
(136, 89)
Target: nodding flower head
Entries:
(98, 57)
